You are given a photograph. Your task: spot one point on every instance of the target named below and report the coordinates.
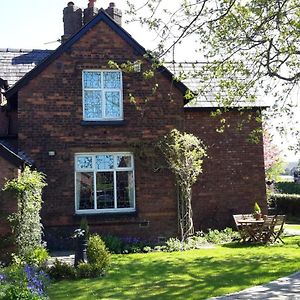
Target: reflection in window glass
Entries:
(85, 190)
(125, 189)
(105, 190)
(112, 80)
(91, 80)
(112, 108)
(123, 161)
(84, 162)
(104, 162)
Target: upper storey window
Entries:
(102, 95)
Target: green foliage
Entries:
(26, 222)
(87, 270)
(184, 155)
(61, 270)
(286, 187)
(23, 282)
(227, 235)
(113, 243)
(257, 208)
(38, 257)
(288, 204)
(274, 172)
(97, 253)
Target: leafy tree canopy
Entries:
(250, 48)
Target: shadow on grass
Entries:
(197, 274)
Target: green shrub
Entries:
(84, 270)
(174, 244)
(114, 244)
(221, 236)
(38, 257)
(287, 204)
(61, 270)
(286, 187)
(97, 253)
(87, 270)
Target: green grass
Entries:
(292, 226)
(195, 274)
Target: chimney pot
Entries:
(114, 13)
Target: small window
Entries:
(102, 95)
(104, 182)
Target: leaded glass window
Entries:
(104, 182)
(102, 95)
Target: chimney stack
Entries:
(90, 12)
(114, 13)
(72, 20)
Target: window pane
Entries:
(125, 190)
(123, 161)
(112, 108)
(85, 190)
(104, 162)
(112, 80)
(92, 80)
(84, 162)
(92, 104)
(105, 190)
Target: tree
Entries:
(249, 47)
(27, 227)
(273, 163)
(184, 154)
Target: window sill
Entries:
(104, 123)
(115, 214)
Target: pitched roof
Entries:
(206, 99)
(101, 16)
(11, 154)
(15, 63)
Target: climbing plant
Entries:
(184, 154)
(26, 222)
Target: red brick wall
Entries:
(50, 112)
(233, 174)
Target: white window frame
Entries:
(94, 170)
(103, 90)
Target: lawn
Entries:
(292, 226)
(195, 274)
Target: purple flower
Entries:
(2, 277)
(36, 280)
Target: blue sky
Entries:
(34, 24)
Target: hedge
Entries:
(288, 204)
(286, 187)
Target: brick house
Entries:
(72, 118)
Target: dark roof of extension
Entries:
(16, 63)
(101, 16)
(207, 99)
(11, 154)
